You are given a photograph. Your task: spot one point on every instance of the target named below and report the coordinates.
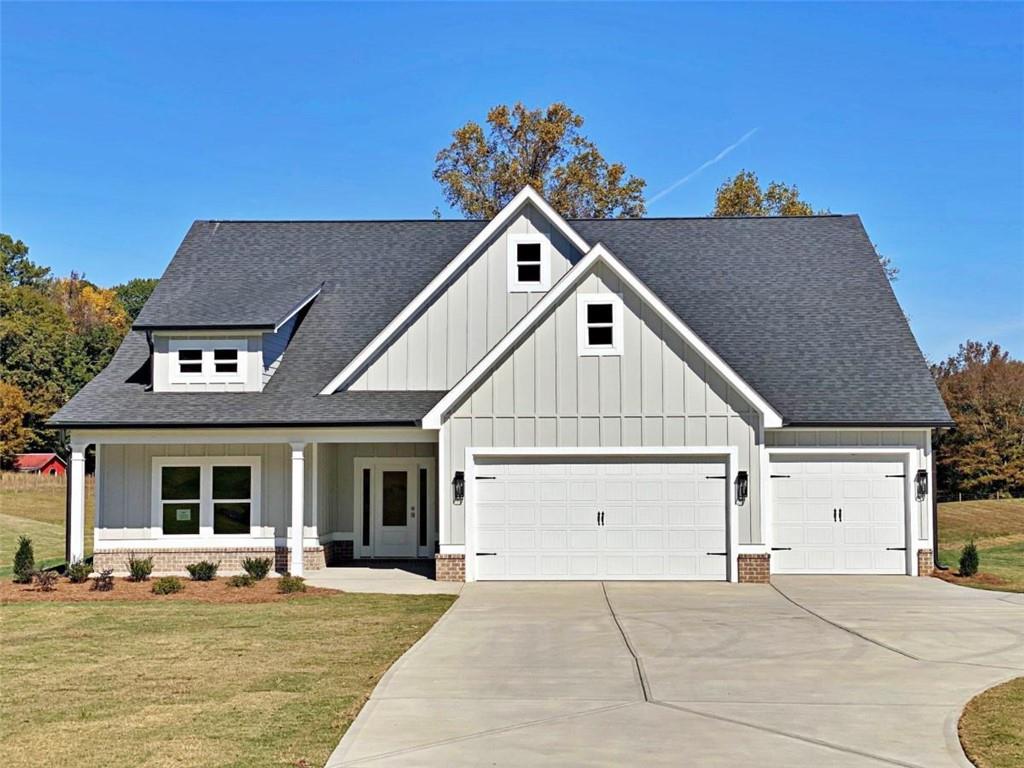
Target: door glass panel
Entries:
(423, 506)
(366, 507)
(394, 498)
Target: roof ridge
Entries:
(484, 221)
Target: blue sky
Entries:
(121, 123)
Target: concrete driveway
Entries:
(813, 671)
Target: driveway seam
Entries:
(644, 687)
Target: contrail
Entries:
(700, 168)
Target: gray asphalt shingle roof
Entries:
(799, 307)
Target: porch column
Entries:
(298, 504)
(76, 530)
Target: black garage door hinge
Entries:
(716, 477)
(486, 554)
(486, 477)
(895, 549)
(778, 475)
(781, 549)
(723, 554)
(895, 475)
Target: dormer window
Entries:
(225, 361)
(205, 361)
(529, 263)
(599, 319)
(190, 362)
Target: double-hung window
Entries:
(207, 360)
(599, 319)
(208, 496)
(529, 263)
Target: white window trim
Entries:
(209, 371)
(583, 347)
(206, 465)
(515, 285)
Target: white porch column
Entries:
(298, 506)
(76, 531)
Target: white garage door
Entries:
(838, 516)
(600, 520)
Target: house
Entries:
(40, 464)
(523, 398)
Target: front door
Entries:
(395, 521)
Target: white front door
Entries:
(838, 515)
(594, 519)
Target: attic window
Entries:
(529, 263)
(225, 360)
(197, 361)
(190, 361)
(599, 317)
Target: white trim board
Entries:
(771, 417)
(254, 435)
(526, 195)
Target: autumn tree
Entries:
(485, 166)
(984, 392)
(14, 437)
(134, 294)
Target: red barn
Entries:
(40, 464)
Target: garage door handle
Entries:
(486, 554)
(834, 516)
(723, 554)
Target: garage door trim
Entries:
(910, 455)
(728, 454)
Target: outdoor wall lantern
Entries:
(459, 487)
(921, 484)
(741, 487)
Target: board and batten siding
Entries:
(866, 438)
(660, 392)
(467, 319)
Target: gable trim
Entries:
(432, 420)
(526, 195)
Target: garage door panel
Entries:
(522, 515)
(554, 516)
(521, 491)
(583, 540)
(649, 515)
(619, 539)
(552, 490)
(582, 490)
(681, 516)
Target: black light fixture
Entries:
(921, 484)
(741, 487)
(459, 487)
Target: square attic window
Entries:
(529, 263)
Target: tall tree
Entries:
(134, 294)
(484, 167)
(984, 391)
(15, 266)
(13, 434)
(742, 195)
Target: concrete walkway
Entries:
(815, 671)
(391, 580)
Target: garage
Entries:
(551, 518)
(838, 515)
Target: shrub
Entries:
(257, 567)
(46, 581)
(969, 560)
(204, 570)
(241, 580)
(139, 568)
(288, 584)
(78, 572)
(104, 580)
(167, 585)
(24, 561)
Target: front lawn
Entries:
(183, 683)
(997, 528)
(992, 727)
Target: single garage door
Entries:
(600, 520)
(838, 516)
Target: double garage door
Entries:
(613, 520)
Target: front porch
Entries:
(310, 502)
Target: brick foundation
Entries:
(450, 567)
(925, 563)
(336, 551)
(175, 560)
(754, 569)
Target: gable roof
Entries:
(33, 462)
(798, 307)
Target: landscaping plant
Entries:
(139, 568)
(241, 580)
(257, 567)
(24, 561)
(104, 580)
(204, 570)
(289, 583)
(78, 572)
(46, 581)
(969, 560)
(167, 585)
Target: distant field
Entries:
(997, 529)
(33, 506)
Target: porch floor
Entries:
(393, 577)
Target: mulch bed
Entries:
(965, 581)
(216, 591)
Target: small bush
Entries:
(288, 584)
(257, 567)
(24, 561)
(139, 568)
(204, 570)
(167, 585)
(104, 581)
(46, 581)
(969, 560)
(241, 580)
(78, 572)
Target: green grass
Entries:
(997, 528)
(185, 683)
(34, 506)
(992, 727)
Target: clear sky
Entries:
(121, 122)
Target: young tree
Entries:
(984, 392)
(484, 167)
(15, 267)
(134, 294)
